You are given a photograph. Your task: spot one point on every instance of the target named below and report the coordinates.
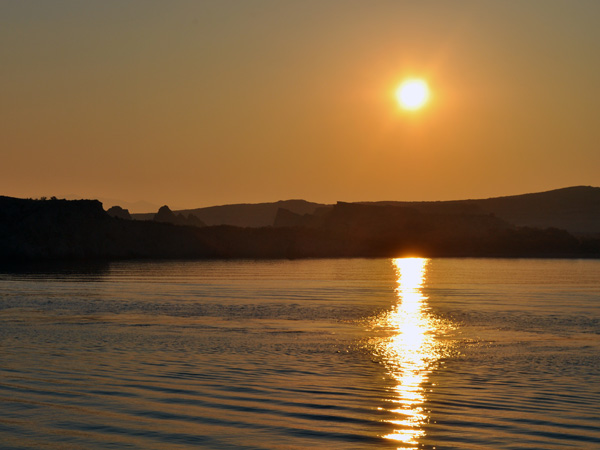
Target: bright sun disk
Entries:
(412, 94)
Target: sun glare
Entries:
(410, 348)
(412, 94)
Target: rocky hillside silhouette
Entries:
(165, 215)
(574, 209)
(54, 229)
(61, 229)
(244, 214)
(373, 230)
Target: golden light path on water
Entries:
(410, 350)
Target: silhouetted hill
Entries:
(61, 229)
(243, 214)
(574, 209)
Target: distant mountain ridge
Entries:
(253, 215)
(574, 209)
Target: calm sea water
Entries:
(347, 354)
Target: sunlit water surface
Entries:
(348, 354)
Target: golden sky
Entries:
(199, 103)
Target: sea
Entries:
(406, 353)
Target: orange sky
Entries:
(195, 104)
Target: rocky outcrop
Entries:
(118, 212)
(165, 215)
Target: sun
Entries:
(412, 94)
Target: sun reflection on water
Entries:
(409, 351)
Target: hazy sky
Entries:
(197, 103)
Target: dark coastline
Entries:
(51, 230)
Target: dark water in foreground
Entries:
(348, 354)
